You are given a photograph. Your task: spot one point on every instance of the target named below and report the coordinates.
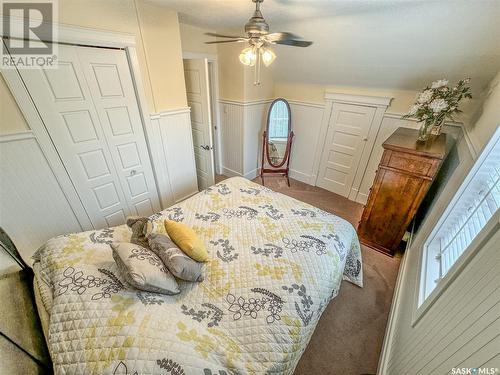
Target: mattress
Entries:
(275, 264)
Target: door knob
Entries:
(206, 147)
(133, 172)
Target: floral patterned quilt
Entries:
(275, 264)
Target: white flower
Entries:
(438, 105)
(439, 83)
(414, 109)
(425, 96)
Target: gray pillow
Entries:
(175, 259)
(138, 226)
(142, 269)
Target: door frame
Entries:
(380, 103)
(213, 72)
(86, 37)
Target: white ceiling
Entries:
(383, 44)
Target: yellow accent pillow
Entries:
(187, 240)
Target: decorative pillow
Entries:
(155, 226)
(142, 268)
(187, 240)
(138, 226)
(175, 259)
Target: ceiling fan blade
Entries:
(225, 36)
(274, 37)
(295, 43)
(226, 41)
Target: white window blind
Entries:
(475, 204)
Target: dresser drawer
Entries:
(409, 163)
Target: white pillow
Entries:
(143, 269)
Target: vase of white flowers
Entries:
(435, 104)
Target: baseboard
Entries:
(252, 174)
(303, 177)
(230, 173)
(361, 198)
(393, 313)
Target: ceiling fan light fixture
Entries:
(248, 56)
(268, 56)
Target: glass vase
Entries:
(425, 131)
(429, 130)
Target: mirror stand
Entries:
(265, 156)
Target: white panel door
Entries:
(346, 138)
(64, 100)
(108, 75)
(198, 97)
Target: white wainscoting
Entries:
(171, 143)
(33, 207)
(242, 125)
(306, 124)
(232, 117)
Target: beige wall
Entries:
(231, 72)
(236, 80)
(11, 119)
(315, 94)
(158, 40)
(487, 118)
(193, 40)
(162, 44)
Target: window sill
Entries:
(484, 235)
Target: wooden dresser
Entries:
(403, 177)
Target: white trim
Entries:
(374, 101)
(380, 104)
(252, 174)
(28, 134)
(399, 116)
(245, 103)
(30, 114)
(79, 35)
(85, 37)
(306, 104)
(230, 173)
(469, 253)
(327, 113)
(214, 101)
(169, 112)
(303, 177)
(484, 235)
(393, 313)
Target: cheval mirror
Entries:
(277, 140)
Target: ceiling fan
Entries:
(259, 39)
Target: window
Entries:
(475, 204)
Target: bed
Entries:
(275, 264)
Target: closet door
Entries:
(64, 100)
(347, 135)
(108, 75)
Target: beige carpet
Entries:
(349, 335)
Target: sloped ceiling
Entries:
(381, 44)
